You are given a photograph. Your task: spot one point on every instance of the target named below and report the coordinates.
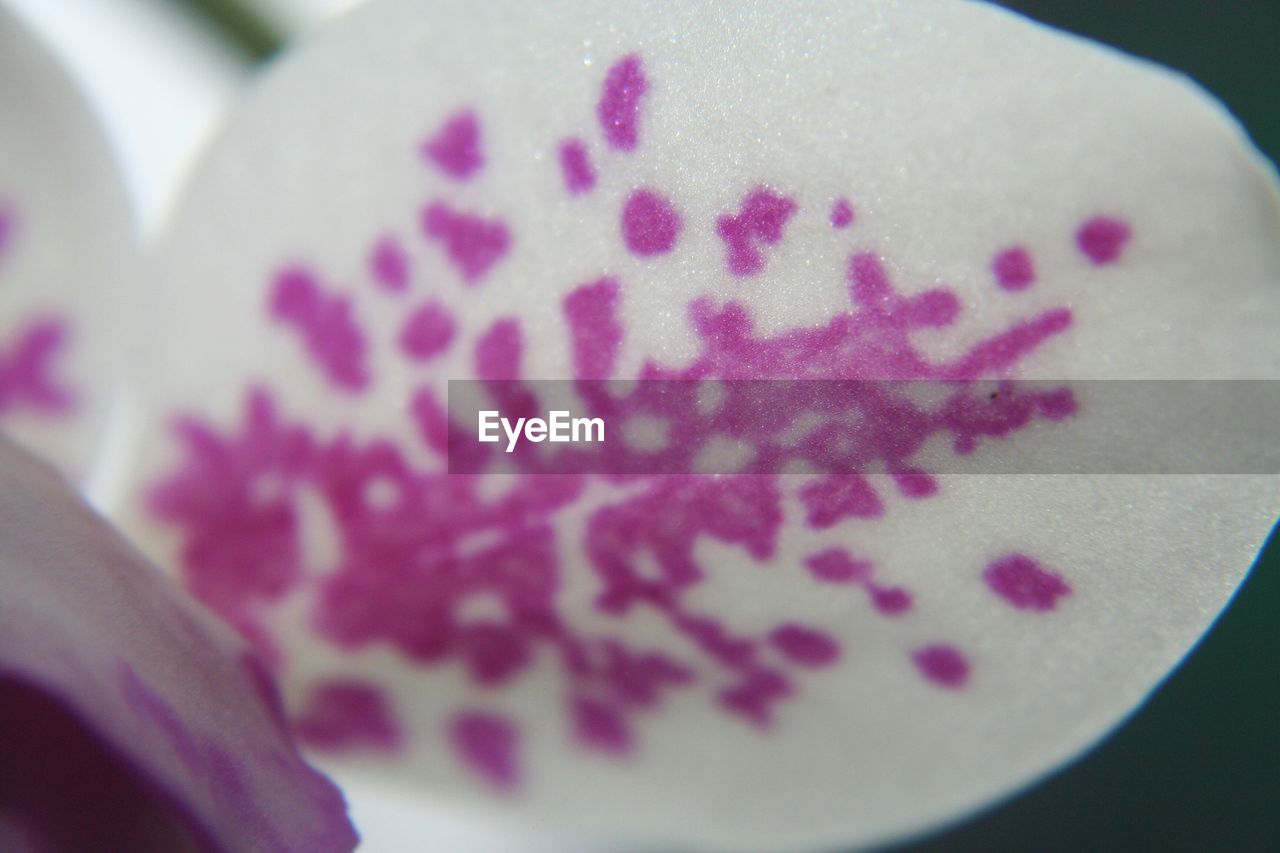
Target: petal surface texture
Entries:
(861, 190)
(68, 264)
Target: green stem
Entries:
(237, 23)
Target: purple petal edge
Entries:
(126, 711)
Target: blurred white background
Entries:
(158, 77)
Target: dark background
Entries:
(1198, 767)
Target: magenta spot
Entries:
(342, 715)
(650, 224)
(619, 108)
(432, 420)
(594, 329)
(842, 213)
(836, 566)
(575, 166)
(933, 309)
(871, 287)
(762, 218)
(805, 646)
(329, 331)
(944, 665)
(600, 726)
(389, 265)
(243, 545)
(1103, 239)
(487, 745)
(840, 496)
(26, 368)
(915, 484)
(472, 243)
(1057, 405)
(427, 332)
(455, 149)
(753, 699)
(1014, 269)
(492, 652)
(1021, 581)
(498, 351)
(890, 601)
(997, 353)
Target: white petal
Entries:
(68, 255)
(495, 163)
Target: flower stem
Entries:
(238, 23)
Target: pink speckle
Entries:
(871, 287)
(840, 496)
(932, 309)
(427, 332)
(600, 726)
(836, 566)
(650, 224)
(915, 485)
(329, 331)
(1059, 404)
(754, 698)
(473, 244)
(455, 149)
(763, 217)
(389, 265)
(431, 419)
(1103, 239)
(493, 652)
(873, 340)
(26, 367)
(1014, 269)
(217, 493)
(575, 166)
(944, 665)
(842, 213)
(594, 329)
(498, 351)
(619, 108)
(341, 715)
(890, 601)
(1021, 581)
(487, 744)
(1005, 349)
(805, 646)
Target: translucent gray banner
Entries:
(674, 427)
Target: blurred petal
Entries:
(131, 719)
(157, 79)
(68, 263)
(866, 190)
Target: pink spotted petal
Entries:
(68, 259)
(817, 659)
